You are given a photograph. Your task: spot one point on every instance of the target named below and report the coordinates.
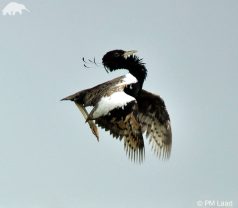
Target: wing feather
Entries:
(155, 122)
(91, 96)
(123, 124)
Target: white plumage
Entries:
(129, 79)
(107, 104)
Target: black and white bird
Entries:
(123, 108)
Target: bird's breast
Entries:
(132, 89)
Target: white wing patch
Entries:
(107, 104)
(129, 79)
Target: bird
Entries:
(122, 107)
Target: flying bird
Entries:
(127, 111)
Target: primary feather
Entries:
(123, 108)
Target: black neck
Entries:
(137, 69)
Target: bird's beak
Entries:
(127, 54)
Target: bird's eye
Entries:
(116, 54)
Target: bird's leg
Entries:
(91, 123)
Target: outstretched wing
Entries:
(122, 123)
(154, 120)
(91, 96)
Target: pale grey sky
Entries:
(48, 156)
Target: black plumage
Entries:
(123, 108)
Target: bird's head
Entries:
(118, 59)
